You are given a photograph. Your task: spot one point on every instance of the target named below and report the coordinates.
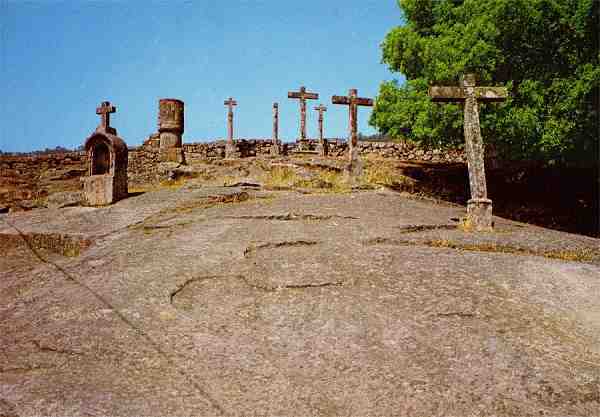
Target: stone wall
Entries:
(26, 179)
(337, 148)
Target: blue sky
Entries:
(60, 59)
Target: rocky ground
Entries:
(272, 288)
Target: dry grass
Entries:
(281, 177)
(578, 255)
(379, 172)
(465, 225)
(332, 181)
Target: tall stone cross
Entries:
(353, 101)
(275, 123)
(321, 109)
(303, 95)
(230, 102)
(479, 207)
(104, 111)
(275, 146)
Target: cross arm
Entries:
(106, 109)
(491, 94)
(457, 94)
(230, 102)
(446, 94)
(364, 101)
(340, 100)
(311, 96)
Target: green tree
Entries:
(544, 51)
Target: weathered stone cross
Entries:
(479, 207)
(353, 101)
(321, 108)
(275, 148)
(275, 122)
(104, 111)
(303, 95)
(230, 102)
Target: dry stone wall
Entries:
(337, 148)
(26, 179)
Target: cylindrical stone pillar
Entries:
(170, 123)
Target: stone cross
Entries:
(353, 101)
(275, 146)
(321, 108)
(275, 123)
(479, 207)
(230, 102)
(303, 95)
(104, 111)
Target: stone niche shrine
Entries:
(107, 154)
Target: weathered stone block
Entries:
(479, 214)
(172, 155)
(101, 190)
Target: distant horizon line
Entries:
(62, 149)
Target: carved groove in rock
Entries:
(298, 264)
(251, 249)
(583, 255)
(241, 278)
(293, 217)
(426, 227)
(62, 244)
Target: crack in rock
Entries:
(173, 295)
(292, 286)
(584, 255)
(251, 249)
(456, 314)
(7, 409)
(25, 369)
(292, 217)
(426, 227)
(60, 243)
(388, 241)
(43, 348)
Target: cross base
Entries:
(303, 145)
(231, 151)
(355, 166)
(323, 148)
(102, 190)
(479, 214)
(106, 129)
(276, 149)
(172, 155)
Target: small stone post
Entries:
(322, 147)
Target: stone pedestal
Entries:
(275, 149)
(323, 148)
(171, 155)
(231, 151)
(101, 190)
(355, 164)
(303, 145)
(479, 214)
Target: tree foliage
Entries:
(544, 51)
